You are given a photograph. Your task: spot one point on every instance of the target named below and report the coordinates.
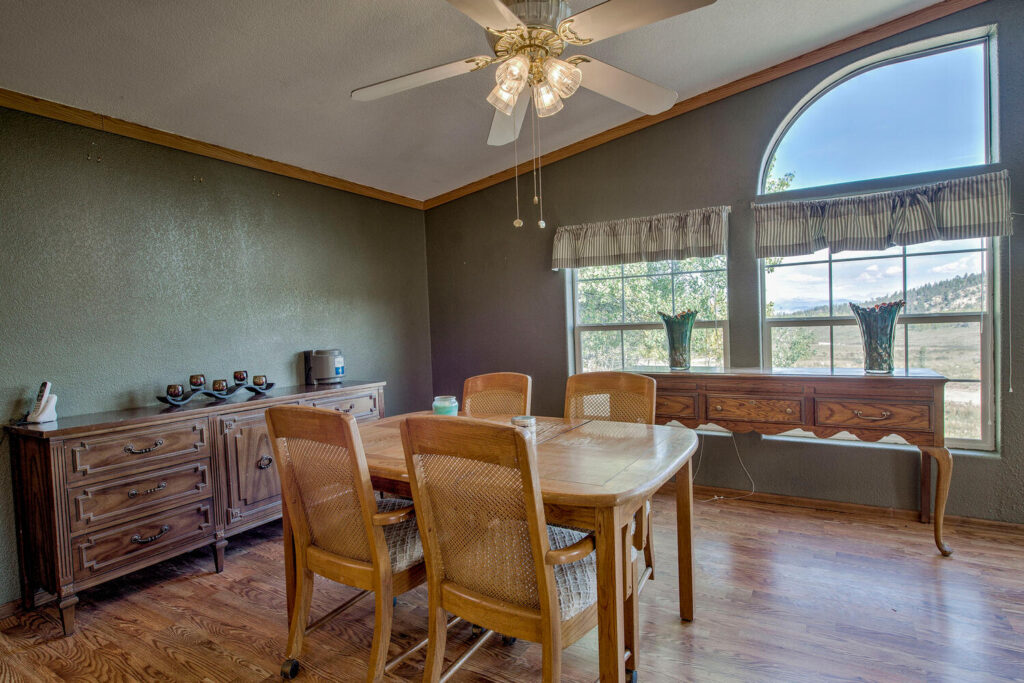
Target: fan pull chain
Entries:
(533, 136)
(518, 222)
(540, 181)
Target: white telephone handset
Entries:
(45, 408)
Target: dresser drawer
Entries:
(98, 504)
(136, 449)
(753, 409)
(359, 406)
(878, 415)
(109, 549)
(676, 405)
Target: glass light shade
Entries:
(562, 76)
(515, 70)
(504, 100)
(546, 100)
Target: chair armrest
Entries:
(572, 553)
(392, 516)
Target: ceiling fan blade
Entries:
(613, 17)
(501, 125)
(488, 13)
(418, 78)
(624, 87)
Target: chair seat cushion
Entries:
(576, 582)
(403, 538)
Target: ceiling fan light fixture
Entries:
(546, 100)
(504, 100)
(514, 70)
(562, 76)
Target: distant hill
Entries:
(958, 293)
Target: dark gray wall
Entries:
(122, 275)
(496, 305)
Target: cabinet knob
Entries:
(718, 407)
(789, 411)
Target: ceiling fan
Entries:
(527, 37)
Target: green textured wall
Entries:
(122, 272)
(495, 304)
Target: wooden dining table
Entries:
(594, 475)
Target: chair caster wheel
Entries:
(631, 675)
(508, 640)
(290, 669)
(477, 631)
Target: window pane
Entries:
(820, 255)
(645, 296)
(645, 348)
(706, 263)
(951, 245)
(963, 410)
(891, 120)
(598, 271)
(846, 255)
(951, 349)
(848, 348)
(865, 283)
(601, 350)
(647, 268)
(599, 301)
(703, 292)
(795, 291)
(800, 347)
(946, 283)
(707, 347)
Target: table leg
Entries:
(610, 590)
(926, 488)
(289, 563)
(945, 463)
(684, 537)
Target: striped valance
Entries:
(667, 236)
(978, 206)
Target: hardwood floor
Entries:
(783, 594)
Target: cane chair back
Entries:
(613, 396)
(497, 393)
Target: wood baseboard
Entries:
(10, 609)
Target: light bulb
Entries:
(563, 76)
(503, 100)
(516, 69)
(546, 100)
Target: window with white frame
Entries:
(923, 111)
(616, 312)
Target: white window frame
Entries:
(986, 319)
(578, 327)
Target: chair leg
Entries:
(552, 663)
(437, 639)
(300, 611)
(384, 611)
(631, 608)
(649, 541)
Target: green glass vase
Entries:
(878, 332)
(679, 328)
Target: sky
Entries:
(918, 115)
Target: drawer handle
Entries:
(142, 451)
(789, 411)
(159, 487)
(861, 415)
(718, 407)
(149, 539)
(265, 462)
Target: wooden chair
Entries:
(617, 397)
(501, 393)
(491, 558)
(340, 530)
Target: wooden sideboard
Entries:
(99, 496)
(908, 404)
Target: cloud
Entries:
(893, 270)
(804, 277)
(966, 264)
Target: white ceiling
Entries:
(272, 77)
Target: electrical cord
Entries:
(736, 447)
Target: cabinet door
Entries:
(253, 488)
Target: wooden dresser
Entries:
(908, 404)
(98, 496)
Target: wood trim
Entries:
(702, 493)
(840, 47)
(10, 609)
(109, 124)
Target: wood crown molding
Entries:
(840, 47)
(82, 117)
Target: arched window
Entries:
(926, 109)
(890, 115)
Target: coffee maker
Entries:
(324, 366)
